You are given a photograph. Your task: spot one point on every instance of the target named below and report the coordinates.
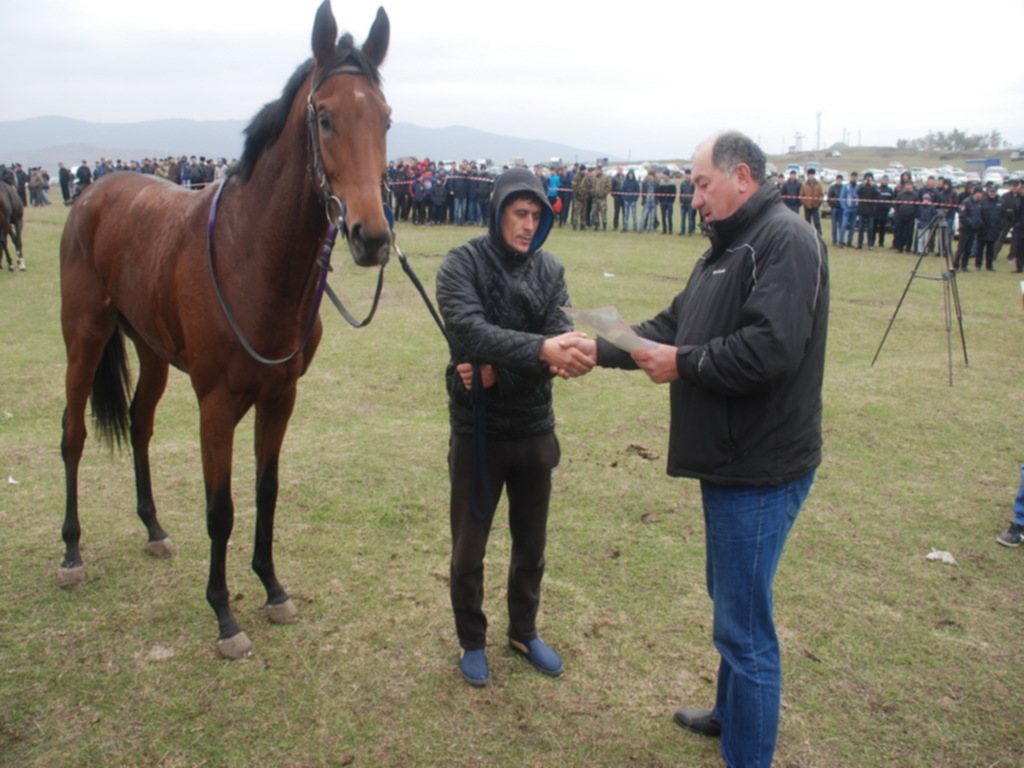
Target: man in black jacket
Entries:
(970, 226)
(791, 192)
(743, 350)
(867, 203)
(500, 295)
(903, 221)
(882, 208)
(835, 210)
(992, 215)
(945, 205)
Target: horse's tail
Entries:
(110, 392)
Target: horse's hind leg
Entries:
(148, 391)
(5, 251)
(84, 354)
(16, 237)
(271, 423)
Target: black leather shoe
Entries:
(699, 721)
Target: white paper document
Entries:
(607, 323)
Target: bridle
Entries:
(336, 223)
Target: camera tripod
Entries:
(950, 293)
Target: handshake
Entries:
(574, 354)
(569, 355)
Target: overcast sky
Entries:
(641, 80)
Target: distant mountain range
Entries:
(45, 141)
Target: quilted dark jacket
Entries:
(499, 306)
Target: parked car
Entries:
(919, 174)
(993, 177)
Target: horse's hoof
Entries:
(69, 578)
(162, 548)
(235, 648)
(283, 613)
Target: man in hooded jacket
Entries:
(500, 295)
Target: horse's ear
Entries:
(376, 45)
(325, 32)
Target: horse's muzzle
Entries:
(369, 250)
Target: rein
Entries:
(335, 224)
(481, 505)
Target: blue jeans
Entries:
(649, 215)
(473, 213)
(628, 208)
(849, 225)
(837, 224)
(687, 219)
(1018, 503)
(813, 217)
(745, 531)
(460, 210)
(867, 224)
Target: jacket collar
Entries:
(722, 233)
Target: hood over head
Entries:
(516, 180)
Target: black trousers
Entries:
(968, 241)
(903, 233)
(666, 218)
(523, 469)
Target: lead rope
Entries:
(481, 503)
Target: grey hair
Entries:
(732, 148)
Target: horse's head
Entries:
(348, 123)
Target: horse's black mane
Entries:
(268, 124)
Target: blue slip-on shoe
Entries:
(540, 654)
(473, 666)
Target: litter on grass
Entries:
(941, 556)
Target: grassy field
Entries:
(890, 659)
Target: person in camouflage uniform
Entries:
(581, 184)
(601, 187)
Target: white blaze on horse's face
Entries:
(352, 124)
(354, 150)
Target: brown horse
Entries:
(145, 258)
(12, 214)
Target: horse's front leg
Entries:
(271, 422)
(217, 431)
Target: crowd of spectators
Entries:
(32, 185)
(426, 192)
(922, 219)
(190, 172)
